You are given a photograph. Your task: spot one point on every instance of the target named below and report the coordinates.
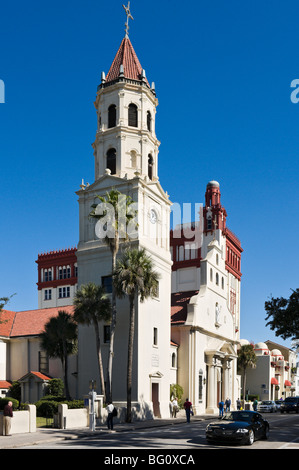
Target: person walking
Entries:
(227, 404)
(255, 403)
(7, 415)
(188, 409)
(238, 404)
(110, 409)
(221, 408)
(175, 407)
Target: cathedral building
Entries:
(188, 334)
(205, 308)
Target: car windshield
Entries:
(238, 416)
(266, 402)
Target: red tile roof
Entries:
(127, 57)
(6, 322)
(37, 374)
(5, 384)
(29, 322)
(179, 302)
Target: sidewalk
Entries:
(44, 435)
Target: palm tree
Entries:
(134, 277)
(59, 339)
(92, 305)
(246, 358)
(116, 212)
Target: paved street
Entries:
(284, 434)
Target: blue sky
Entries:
(222, 72)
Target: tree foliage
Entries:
(92, 306)
(59, 340)
(246, 359)
(116, 212)
(134, 277)
(3, 302)
(284, 315)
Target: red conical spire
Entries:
(125, 56)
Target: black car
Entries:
(238, 426)
(290, 404)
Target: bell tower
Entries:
(126, 143)
(214, 213)
(126, 159)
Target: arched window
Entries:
(211, 274)
(133, 115)
(217, 279)
(112, 116)
(111, 161)
(133, 159)
(149, 121)
(173, 360)
(150, 167)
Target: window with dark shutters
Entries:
(133, 115)
(149, 121)
(112, 116)
(111, 161)
(150, 167)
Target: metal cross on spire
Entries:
(128, 13)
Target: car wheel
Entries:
(250, 437)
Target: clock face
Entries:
(153, 216)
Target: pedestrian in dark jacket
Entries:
(227, 404)
(188, 409)
(221, 407)
(7, 415)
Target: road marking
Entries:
(290, 445)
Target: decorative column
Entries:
(211, 399)
(226, 380)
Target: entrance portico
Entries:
(220, 376)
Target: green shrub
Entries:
(59, 399)
(15, 390)
(4, 401)
(74, 404)
(55, 387)
(46, 408)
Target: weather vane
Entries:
(128, 13)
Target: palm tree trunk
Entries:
(100, 362)
(130, 359)
(66, 382)
(112, 331)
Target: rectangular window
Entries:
(106, 333)
(43, 362)
(107, 284)
(63, 292)
(155, 337)
(48, 294)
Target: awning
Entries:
(287, 383)
(274, 381)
